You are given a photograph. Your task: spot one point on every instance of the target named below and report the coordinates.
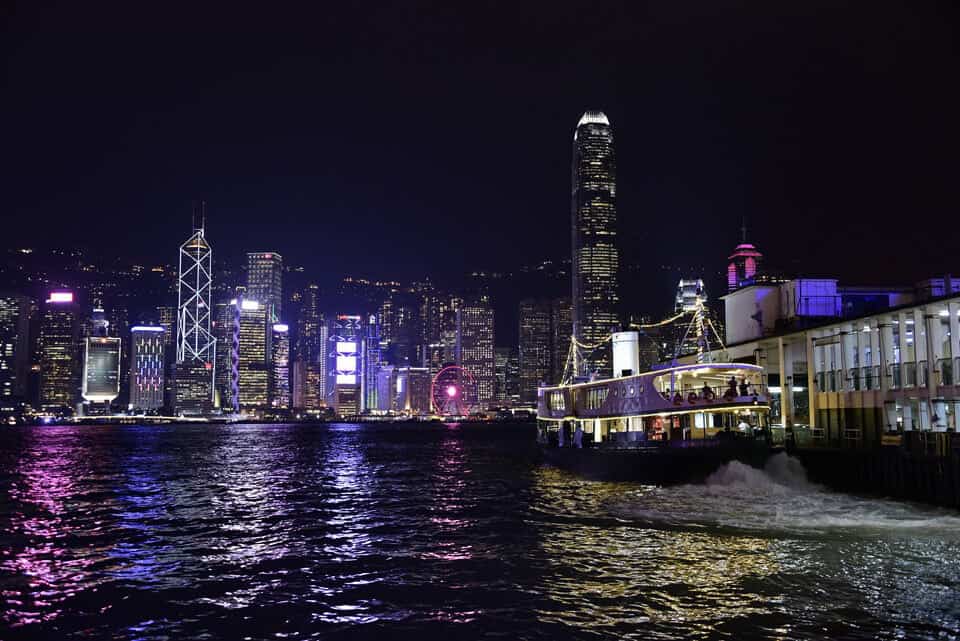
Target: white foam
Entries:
(780, 499)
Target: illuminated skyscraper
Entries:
(690, 293)
(147, 367)
(196, 346)
(250, 358)
(474, 347)
(15, 311)
(101, 372)
(535, 347)
(561, 328)
(507, 365)
(310, 366)
(265, 281)
(345, 364)
(280, 367)
(225, 327)
(595, 261)
(59, 351)
(371, 363)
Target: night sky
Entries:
(406, 139)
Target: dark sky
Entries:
(410, 138)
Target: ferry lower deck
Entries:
(684, 403)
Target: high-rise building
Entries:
(196, 346)
(345, 362)
(412, 386)
(595, 260)
(310, 364)
(507, 366)
(251, 357)
(147, 367)
(265, 282)
(280, 367)
(371, 363)
(474, 348)
(561, 328)
(15, 311)
(535, 350)
(59, 351)
(386, 388)
(226, 322)
(690, 294)
(101, 372)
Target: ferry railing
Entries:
(871, 377)
(895, 376)
(946, 371)
(909, 374)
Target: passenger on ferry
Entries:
(744, 390)
(707, 391)
(731, 388)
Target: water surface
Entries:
(347, 531)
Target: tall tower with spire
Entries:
(744, 261)
(196, 346)
(595, 260)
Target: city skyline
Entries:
(720, 133)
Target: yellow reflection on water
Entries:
(605, 572)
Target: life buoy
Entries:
(709, 395)
(692, 398)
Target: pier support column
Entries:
(934, 349)
(954, 310)
(885, 360)
(786, 382)
(811, 381)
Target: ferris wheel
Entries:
(454, 392)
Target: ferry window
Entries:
(595, 397)
(557, 401)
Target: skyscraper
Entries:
(147, 367)
(15, 313)
(265, 281)
(344, 363)
(250, 358)
(310, 365)
(371, 363)
(595, 261)
(507, 366)
(225, 327)
(101, 372)
(561, 328)
(535, 347)
(474, 348)
(59, 350)
(280, 367)
(196, 346)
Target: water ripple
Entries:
(347, 531)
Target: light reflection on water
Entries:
(379, 531)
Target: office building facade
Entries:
(15, 312)
(595, 258)
(280, 367)
(147, 367)
(535, 349)
(474, 347)
(59, 353)
(265, 282)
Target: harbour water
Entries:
(433, 531)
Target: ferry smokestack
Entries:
(626, 353)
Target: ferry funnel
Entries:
(626, 353)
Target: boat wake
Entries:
(779, 499)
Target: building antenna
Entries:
(199, 215)
(743, 229)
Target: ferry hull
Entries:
(655, 466)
